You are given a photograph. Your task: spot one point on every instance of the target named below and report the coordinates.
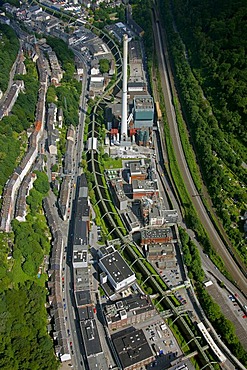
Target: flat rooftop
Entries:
(80, 255)
(106, 250)
(98, 362)
(133, 305)
(116, 266)
(81, 278)
(83, 297)
(137, 167)
(90, 337)
(156, 233)
(143, 103)
(144, 185)
(85, 313)
(80, 232)
(132, 346)
(135, 52)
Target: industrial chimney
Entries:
(124, 132)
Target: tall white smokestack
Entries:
(124, 96)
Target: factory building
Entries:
(91, 338)
(131, 221)
(143, 111)
(83, 299)
(160, 252)
(156, 216)
(137, 83)
(138, 170)
(133, 124)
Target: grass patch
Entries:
(112, 163)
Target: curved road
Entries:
(215, 240)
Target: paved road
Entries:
(215, 240)
(71, 323)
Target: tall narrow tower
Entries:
(124, 95)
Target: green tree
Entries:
(104, 65)
(41, 184)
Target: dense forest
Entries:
(211, 100)
(141, 14)
(9, 145)
(9, 46)
(11, 2)
(215, 33)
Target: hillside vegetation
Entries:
(202, 47)
(13, 138)
(9, 46)
(25, 343)
(215, 34)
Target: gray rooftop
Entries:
(135, 52)
(81, 278)
(133, 305)
(80, 232)
(80, 254)
(90, 337)
(143, 103)
(156, 233)
(144, 185)
(85, 313)
(82, 206)
(83, 181)
(83, 297)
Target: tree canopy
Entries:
(199, 56)
(12, 127)
(9, 47)
(104, 65)
(25, 343)
(24, 340)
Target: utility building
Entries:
(143, 112)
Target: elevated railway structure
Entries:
(197, 348)
(93, 165)
(105, 208)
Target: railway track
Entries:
(221, 249)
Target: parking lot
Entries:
(231, 310)
(172, 277)
(162, 342)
